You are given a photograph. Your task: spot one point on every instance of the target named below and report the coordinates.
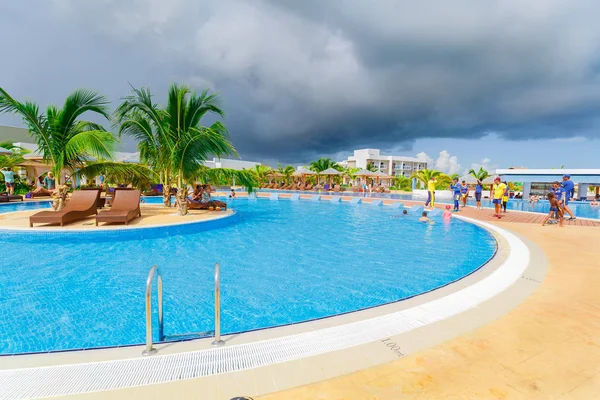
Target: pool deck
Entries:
(152, 215)
(545, 347)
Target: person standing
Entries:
(430, 193)
(554, 209)
(568, 188)
(478, 191)
(505, 196)
(496, 194)
(9, 180)
(464, 193)
(455, 187)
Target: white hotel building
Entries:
(391, 165)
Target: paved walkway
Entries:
(546, 348)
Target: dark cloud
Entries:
(305, 78)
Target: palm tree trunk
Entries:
(181, 197)
(166, 195)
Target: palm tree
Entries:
(322, 164)
(425, 175)
(480, 174)
(443, 181)
(174, 141)
(65, 141)
(371, 167)
(260, 173)
(287, 171)
(15, 158)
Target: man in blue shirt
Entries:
(478, 190)
(456, 189)
(568, 187)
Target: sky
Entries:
(492, 83)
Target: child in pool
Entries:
(554, 208)
(447, 216)
(424, 217)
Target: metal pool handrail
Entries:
(149, 349)
(218, 341)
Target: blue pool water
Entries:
(580, 208)
(23, 205)
(281, 262)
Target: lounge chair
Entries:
(125, 207)
(197, 205)
(33, 195)
(114, 191)
(81, 206)
(308, 186)
(101, 200)
(5, 197)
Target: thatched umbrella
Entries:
(303, 172)
(330, 172)
(275, 174)
(380, 175)
(365, 173)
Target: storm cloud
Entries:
(300, 79)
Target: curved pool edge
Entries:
(358, 333)
(119, 230)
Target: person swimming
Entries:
(424, 217)
(447, 216)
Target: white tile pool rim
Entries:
(69, 379)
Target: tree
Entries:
(425, 175)
(480, 174)
(65, 141)
(443, 181)
(260, 173)
(402, 183)
(173, 141)
(324, 163)
(371, 167)
(287, 171)
(14, 159)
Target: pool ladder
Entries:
(149, 350)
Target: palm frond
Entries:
(244, 178)
(80, 102)
(138, 175)
(98, 144)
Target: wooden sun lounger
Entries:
(196, 205)
(34, 195)
(5, 197)
(81, 206)
(125, 207)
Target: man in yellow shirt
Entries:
(430, 193)
(496, 194)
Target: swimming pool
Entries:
(282, 262)
(23, 206)
(580, 208)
